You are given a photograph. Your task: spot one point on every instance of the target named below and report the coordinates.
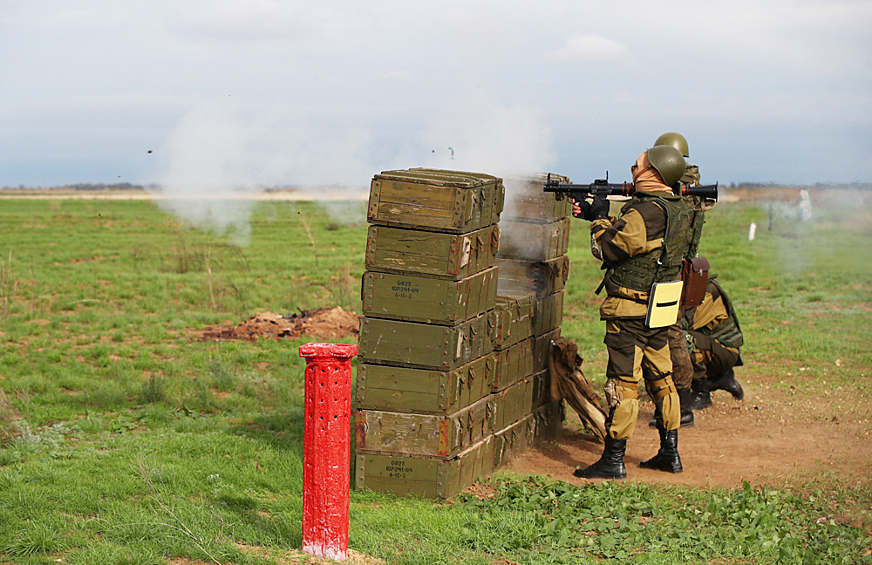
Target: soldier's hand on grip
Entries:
(599, 208)
(590, 210)
(579, 208)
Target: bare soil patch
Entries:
(322, 323)
(772, 437)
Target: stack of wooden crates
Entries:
(533, 268)
(442, 398)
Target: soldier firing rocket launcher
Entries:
(601, 188)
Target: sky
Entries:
(217, 94)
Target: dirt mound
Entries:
(322, 323)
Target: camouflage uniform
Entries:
(682, 366)
(714, 339)
(645, 245)
(637, 353)
(633, 250)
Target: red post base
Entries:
(327, 449)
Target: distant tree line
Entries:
(83, 186)
(120, 186)
(819, 185)
(129, 186)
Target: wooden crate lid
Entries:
(439, 177)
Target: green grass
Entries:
(127, 439)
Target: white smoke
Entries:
(222, 156)
(476, 133)
(798, 234)
(207, 177)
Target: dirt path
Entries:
(769, 438)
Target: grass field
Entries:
(126, 439)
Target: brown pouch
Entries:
(694, 273)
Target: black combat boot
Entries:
(727, 381)
(686, 413)
(700, 397)
(667, 458)
(610, 465)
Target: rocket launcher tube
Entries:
(602, 188)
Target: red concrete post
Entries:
(327, 449)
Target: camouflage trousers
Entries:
(638, 353)
(710, 357)
(682, 366)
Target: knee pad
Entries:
(660, 388)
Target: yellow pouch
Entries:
(664, 304)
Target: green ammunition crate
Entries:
(513, 403)
(426, 391)
(549, 419)
(427, 346)
(429, 199)
(542, 349)
(548, 314)
(497, 203)
(424, 477)
(513, 440)
(453, 256)
(526, 200)
(442, 437)
(541, 389)
(540, 277)
(512, 319)
(533, 242)
(418, 298)
(513, 364)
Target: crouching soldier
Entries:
(714, 340)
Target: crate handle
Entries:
(495, 240)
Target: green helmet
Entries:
(668, 162)
(675, 140)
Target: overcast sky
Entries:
(280, 92)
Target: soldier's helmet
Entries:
(675, 140)
(668, 162)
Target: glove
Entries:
(581, 209)
(599, 208)
(591, 210)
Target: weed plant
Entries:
(128, 439)
(537, 521)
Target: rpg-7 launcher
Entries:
(602, 188)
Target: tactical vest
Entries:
(664, 264)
